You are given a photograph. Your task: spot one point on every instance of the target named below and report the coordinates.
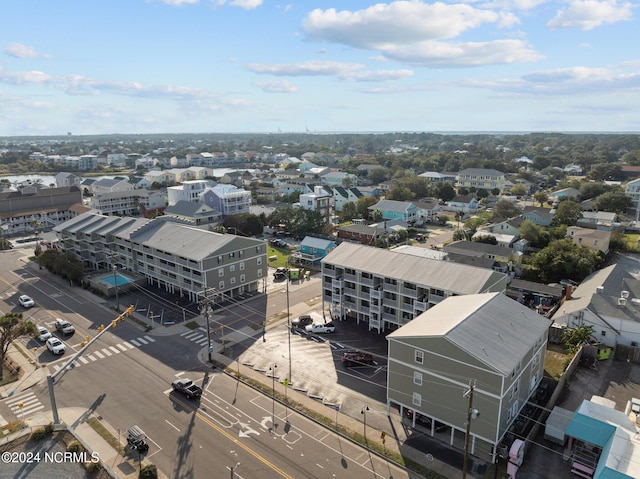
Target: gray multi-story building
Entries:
(170, 254)
(388, 288)
(487, 345)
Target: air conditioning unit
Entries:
(600, 289)
(624, 294)
(622, 302)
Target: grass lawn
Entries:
(278, 257)
(555, 361)
(631, 240)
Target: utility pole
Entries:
(471, 414)
(206, 307)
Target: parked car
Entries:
(64, 326)
(357, 358)
(43, 334)
(56, 346)
(26, 301)
(320, 328)
(280, 273)
(302, 322)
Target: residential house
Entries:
(178, 258)
(387, 289)
(437, 177)
(393, 209)
(342, 196)
(565, 193)
(311, 251)
(485, 344)
(360, 233)
(188, 191)
(608, 301)
(109, 185)
(505, 257)
(601, 220)
(127, 203)
(467, 204)
(160, 177)
(340, 178)
(632, 190)
(198, 214)
(320, 201)
(541, 297)
(603, 442)
(67, 179)
(232, 178)
(228, 200)
(428, 210)
(539, 216)
(593, 239)
(481, 178)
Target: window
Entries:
(232, 280)
(242, 266)
(232, 267)
(259, 272)
(219, 259)
(221, 285)
(603, 333)
(259, 261)
(417, 399)
(417, 378)
(419, 358)
(514, 390)
(221, 273)
(242, 278)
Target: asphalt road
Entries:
(125, 377)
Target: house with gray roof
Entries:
(168, 252)
(481, 178)
(198, 214)
(387, 289)
(484, 342)
(132, 202)
(110, 185)
(539, 216)
(393, 209)
(608, 300)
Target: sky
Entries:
(260, 66)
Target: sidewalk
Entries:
(76, 418)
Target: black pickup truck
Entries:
(187, 387)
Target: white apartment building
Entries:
(188, 191)
(320, 201)
(127, 203)
(388, 288)
(228, 199)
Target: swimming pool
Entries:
(120, 279)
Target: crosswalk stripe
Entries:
(193, 334)
(151, 340)
(130, 346)
(185, 333)
(99, 354)
(134, 342)
(197, 338)
(142, 341)
(56, 367)
(202, 342)
(114, 349)
(122, 348)
(83, 359)
(91, 357)
(17, 400)
(107, 352)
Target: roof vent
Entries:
(622, 302)
(600, 289)
(636, 301)
(624, 294)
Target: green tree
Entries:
(504, 209)
(541, 197)
(574, 338)
(363, 203)
(12, 327)
(567, 213)
(562, 260)
(533, 233)
(518, 189)
(349, 211)
(245, 224)
(615, 201)
(445, 191)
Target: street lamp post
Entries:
(364, 416)
(273, 395)
(289, 324)
(472, 413)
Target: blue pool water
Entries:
(120, 280)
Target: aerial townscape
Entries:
(320, 239)
(434, 304)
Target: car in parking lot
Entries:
(320, 328)
(56, 346)
(25, 301)
(64, 326)
(357, 358)
(280, 273)
(43, 334)
(302, 322)
(278, 243)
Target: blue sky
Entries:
(190, 66)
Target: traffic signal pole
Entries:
(85, 345)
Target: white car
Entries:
(56, 346)
(320, 328)
(43, 334)
(65, 327)
(26, 301)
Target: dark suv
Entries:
(357, 358)
(302, 322)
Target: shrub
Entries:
(74, 446)
(42, 432)
(150, 471)
(94, 467)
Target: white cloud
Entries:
(589, 14)
(343, 71)
(19, 50)
(25, 78)
(179, 3)
(246, 4)
(280, 86)
(418, 33)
